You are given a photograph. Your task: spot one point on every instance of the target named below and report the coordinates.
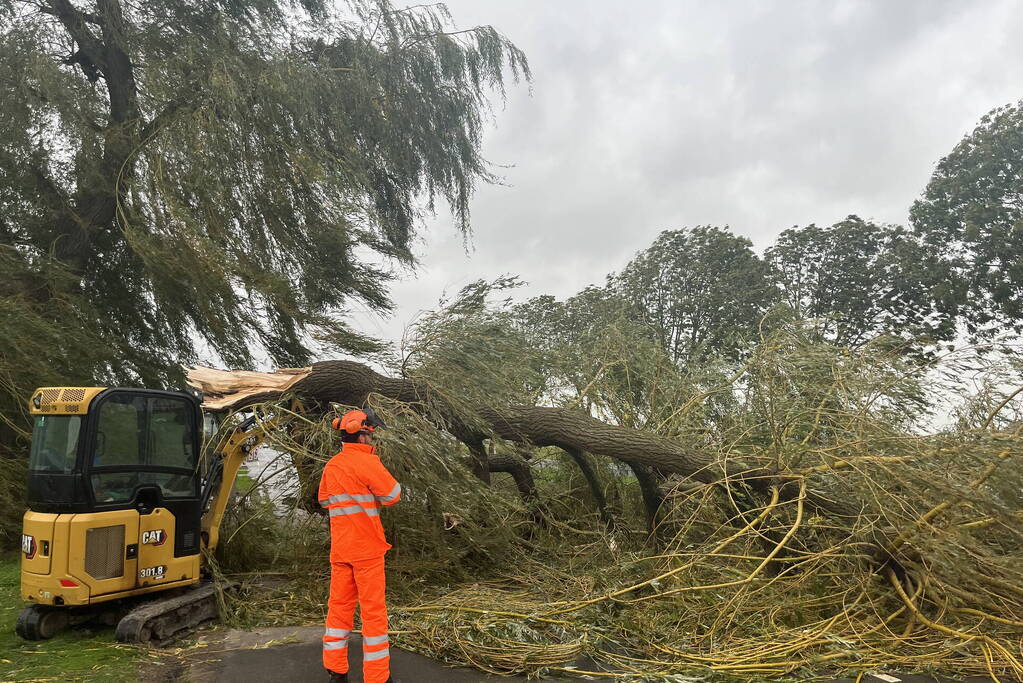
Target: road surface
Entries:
(287, 654)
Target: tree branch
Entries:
(593, 480)
(75, 23)
(186, 102)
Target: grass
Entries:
(82, 653)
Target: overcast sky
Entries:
(651, 115)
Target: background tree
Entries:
(599, 354)
(580, 339)
(857, 280)
(702, 291)
(972, 213)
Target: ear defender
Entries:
(353, 422)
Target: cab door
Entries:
(169, 531)
(157, 563)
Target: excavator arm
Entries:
(243, 439)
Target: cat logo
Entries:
(28, 546)
(154, 537)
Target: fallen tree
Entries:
(883, 543)
(352, 383)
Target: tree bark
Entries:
(93, 207)
(596, 490)
(480, 465)
(519, 470)
(650, 489)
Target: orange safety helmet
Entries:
(356, 421)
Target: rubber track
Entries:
(161, 621)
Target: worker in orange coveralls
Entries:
(353, 486)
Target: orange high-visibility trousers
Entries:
(359, 582)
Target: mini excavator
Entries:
(123, 504)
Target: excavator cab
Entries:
(114, 497)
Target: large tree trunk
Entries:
(351, 383)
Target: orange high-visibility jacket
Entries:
(353, 486)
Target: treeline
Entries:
(954, 273)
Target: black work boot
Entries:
(335, 677)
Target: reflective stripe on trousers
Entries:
(363, 583)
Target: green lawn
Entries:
(82, 653)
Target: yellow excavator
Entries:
(123, 502)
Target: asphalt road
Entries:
(293, 654)
(301, 662)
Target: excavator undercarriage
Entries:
(152, 620)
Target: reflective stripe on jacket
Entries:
(353, 485)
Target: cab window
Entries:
(146, 432)
(54, 443)
(170, 433)
(120, 435)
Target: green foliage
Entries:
(478, 582)
(846, 421)
(252, 537)
(12, 500)
(468, 353)
(702, 292)
(439, 495)
(446, 522)
(799, 393)
(587, 337)
(261, 149)
(857, 280)
(599, 357)
(972, 213)
(221, 178)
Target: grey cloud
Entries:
(759, 115)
